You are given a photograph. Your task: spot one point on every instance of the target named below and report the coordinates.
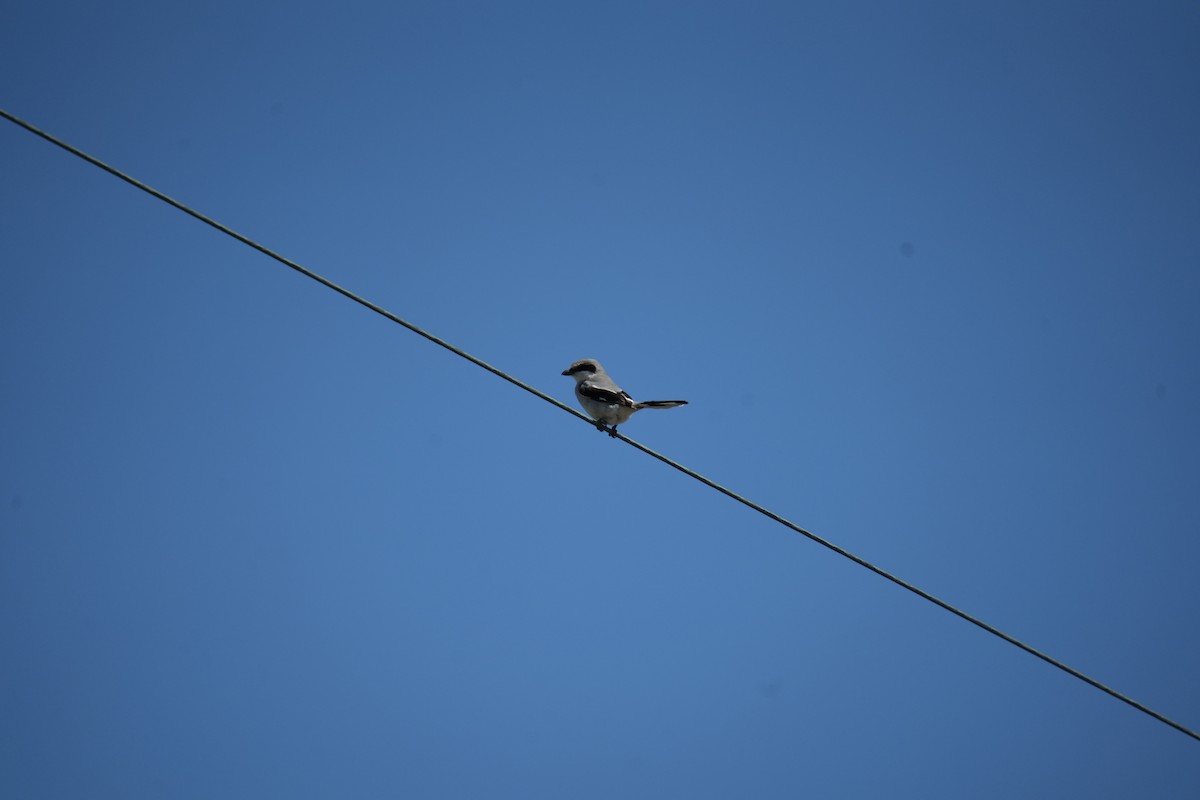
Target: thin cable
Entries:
(905, 584)
(669, 462)
(286, 261)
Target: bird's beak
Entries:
(566, 372)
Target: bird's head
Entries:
(583, 369)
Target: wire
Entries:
(286, 261)
(669, 462)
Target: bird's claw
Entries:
(600, 426)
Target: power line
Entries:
(686, 471)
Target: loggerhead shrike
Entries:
(603, 399)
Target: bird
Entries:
(603, 399)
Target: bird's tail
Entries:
(661, 404)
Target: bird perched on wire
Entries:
(603, 399)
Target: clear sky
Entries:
(928, 273)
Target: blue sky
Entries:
(928, 274)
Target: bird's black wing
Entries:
(605, 395)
